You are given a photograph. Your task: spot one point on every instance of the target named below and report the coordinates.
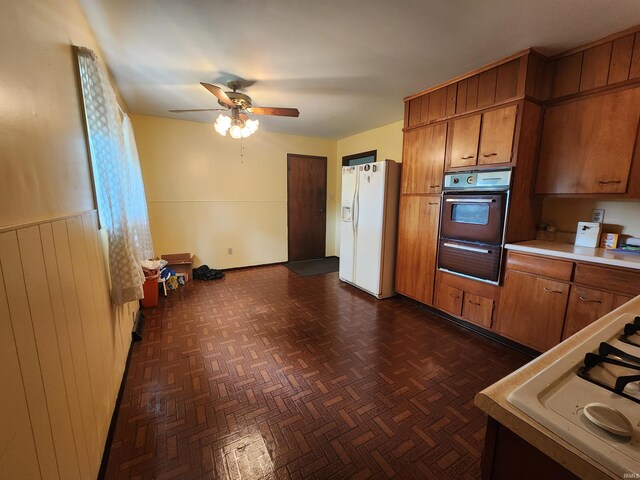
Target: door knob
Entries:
(321, 210)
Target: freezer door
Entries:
(369, 225)
(347, 226)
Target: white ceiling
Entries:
(345, 64)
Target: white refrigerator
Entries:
(369, 217)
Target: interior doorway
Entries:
(306, 206)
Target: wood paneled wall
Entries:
(63, 349)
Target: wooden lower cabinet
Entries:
(417, 246)
(507, 456)
(449, 299)
(477, 309)
(532, 310)
(468, 299)
(586, 305)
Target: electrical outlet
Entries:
(597, 215)
(229, 251)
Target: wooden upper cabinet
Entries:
(566, 77)
(496, 141)
(483, 139)
(423, 159)
(532, 310)
(588, 144)
(465, 134)
(417, 245)
(595, 67)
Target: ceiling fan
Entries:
(239, 104)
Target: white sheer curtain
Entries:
(122, 207)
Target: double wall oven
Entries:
(472, 223)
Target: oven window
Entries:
(474, 213)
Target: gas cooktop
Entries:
(591, 397)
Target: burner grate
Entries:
(614, 370)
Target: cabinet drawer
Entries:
(449, 299)
(477, 309)
(546, 267)
(626, 282)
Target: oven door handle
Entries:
(464, 247)
(470, 200)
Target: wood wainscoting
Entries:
(63, 349)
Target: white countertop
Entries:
(568, 251)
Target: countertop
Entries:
(493, 401)
(568, 251)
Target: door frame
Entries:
(315, 157)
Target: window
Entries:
(359, 158)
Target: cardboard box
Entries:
(180, 263)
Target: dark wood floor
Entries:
(266, 374)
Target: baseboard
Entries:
(474, 328)
(114, 418)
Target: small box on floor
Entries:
(179, 263)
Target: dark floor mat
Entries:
(314, 267)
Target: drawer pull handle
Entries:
(585, 299)
(463, 247)
(470, 200)
(608, 182)
(467, 157)
(489, 155)
(474, 303)
(433, 203)
(434, 186)
(550, 290)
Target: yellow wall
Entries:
(387, 140)
(622, 216)
(62, 346)
(207, 193)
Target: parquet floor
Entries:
(265, 374)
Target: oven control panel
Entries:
(496, 180)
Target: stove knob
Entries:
(456, 180)
(470, 179)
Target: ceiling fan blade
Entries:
(281, 112)
(197, 110)
(218, 92)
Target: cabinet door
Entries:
(449, 299)
(586, 305)
(587, 145)
(423, 159)
(496, 140)
(417, 246)
(532, 310)
(465, 133)
(477, 309)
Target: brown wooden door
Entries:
(465, 133)
(423, 159)
(306, 206)
(417, 246)
(496, 139)
(532, 310)
(587, 145)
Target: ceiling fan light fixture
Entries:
(235, 131)
(236, 126)
(223, 123)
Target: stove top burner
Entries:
(613, 369)
(631, 333)
(584, 378)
